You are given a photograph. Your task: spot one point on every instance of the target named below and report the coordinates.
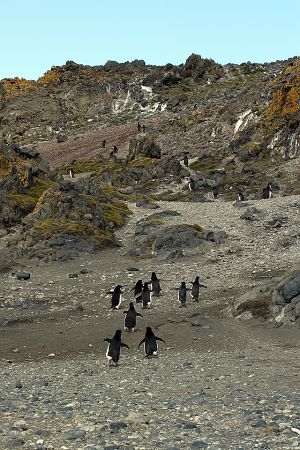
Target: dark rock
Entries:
(19, 385)
(199, 444)
(73, 435)
(132, 269)
(61, 138)
(217, 236)
(117, 426)
(251, 214)
(73, 275)
(16, 442)
(23, 275)
(291, 289)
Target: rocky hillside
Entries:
(56, 218)
(72, 99)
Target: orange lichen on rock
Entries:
(49, 77)
(286, 98)
(16, 86)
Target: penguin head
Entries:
(183, 284)
(153, 276)
(139, 283)
(149, 331)
(118, 288)
(197, 279)
(145, 286)
(118, 333)
(131, 306)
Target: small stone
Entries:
(72, 435)
(74, 275)
(199, 444)
(19, 385)
(23, 275)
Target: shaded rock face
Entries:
(24, 175)
(66, 220)
(278, 300)
(144, 146)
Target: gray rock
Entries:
(251, 214)
(199, 444)
(23, 275)
(117, 426)
(128, 190)
(291, 289)
(217, 236)
(72, 435)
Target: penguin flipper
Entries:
(125, 312)
(159, 339)
(141, 343)
(107, 340)
(124, 345)
(140, 315)
(203, 285)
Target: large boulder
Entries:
(277, 300)
(144, 146)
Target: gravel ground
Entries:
(217, 383)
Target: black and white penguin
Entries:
(215, 192)
(155, 285)
(196, 289)
(186, 161)
(241, 197)
(138, 289)
(71, 173)
(116, 297)
(114, 348)
(267, 192)
(182, 291)
(146, 296)
(150, 343)
(130, 318)
(191, 184)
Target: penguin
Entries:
(144, 129)
(139, 127)
(146, 296)
(191, 184)
(182, 290)
(115, 149)
(103, 143)
(71, 173)
(196, 289)
(116, 297)
(150, 343)
(215, 192)
(114, 348)
(138, 288)
(130, 318)
(155, 286)
(267, 191)
(186, 160)
(241, 197)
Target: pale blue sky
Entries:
(37, 34)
